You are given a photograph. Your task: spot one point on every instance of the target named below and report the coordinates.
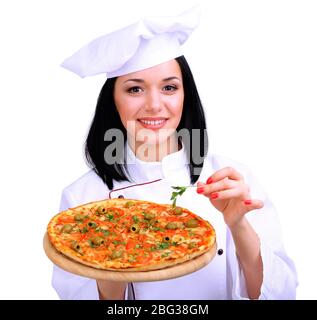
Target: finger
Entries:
(227, 194)
(223, 173)
(225, 184)
(253, 204)
(221, 185)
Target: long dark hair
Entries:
(106, 117)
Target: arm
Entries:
(247, 246)
(261, 268)
(111, 290)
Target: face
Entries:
(150, 102)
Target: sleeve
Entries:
(279, 272)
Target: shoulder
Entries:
(219, 161)
(89, 178)
(87, 188)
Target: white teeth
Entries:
(156, 122)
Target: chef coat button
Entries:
(121, 196)
(220, 252)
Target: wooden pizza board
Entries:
(127, 276)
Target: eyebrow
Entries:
(164, 80)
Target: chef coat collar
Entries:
(143, 171)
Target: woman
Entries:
(156, 106)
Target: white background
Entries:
(255, 66)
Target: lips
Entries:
(153, 123)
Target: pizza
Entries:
(130, 235)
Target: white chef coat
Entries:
(220, 279)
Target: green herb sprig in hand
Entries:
(175, 194)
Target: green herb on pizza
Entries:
(175, 194)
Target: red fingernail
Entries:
(247, 202)
(200, 190)
(209, 181)
(214, 195)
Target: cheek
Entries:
(176, 107)
(127, 110)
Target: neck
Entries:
(154, 152)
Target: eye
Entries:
(169, 88)
(135, 90)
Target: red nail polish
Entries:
(209, 181)
(214, 195)
(247, 202)
(200, 190)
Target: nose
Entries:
(153, 101)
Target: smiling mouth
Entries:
(153, 124)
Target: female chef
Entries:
(148, 100)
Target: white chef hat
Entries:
(144, 44)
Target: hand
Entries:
(229, 194)
(111, 290)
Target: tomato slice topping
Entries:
(130, 244)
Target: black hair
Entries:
(106, 117)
